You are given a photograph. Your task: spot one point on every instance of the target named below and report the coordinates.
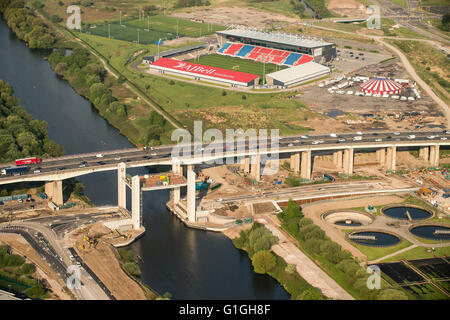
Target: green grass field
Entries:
(237, 64)
(175, 26)
(161, 27)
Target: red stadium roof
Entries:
(381, 85)
(198, 69)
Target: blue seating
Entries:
(245, 50)
(292, 58)
(225, 47)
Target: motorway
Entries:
(108, 160)
(45, 235)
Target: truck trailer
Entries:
(14, 170)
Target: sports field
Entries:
(175, 26)
(151, 29)
(128, 33)
(237, 64)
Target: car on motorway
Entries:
(431, 137)
(315, 142)
(37, 170)
(443, 138)
(290, 145)
(296, 141)
(378, 140)
(333, 135)
(99, 155)
(411, 137)
(304, 137)
(117, 158)
(446, 132)
(101, 163)
(82, 164)
(153, 154)
(341, 140)
(357, 138)
(359, 133)
(396, 133)
(61, 168)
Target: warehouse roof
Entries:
(303, 71)
(276, 37)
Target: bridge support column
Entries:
(424, 153)
(176, 192)
(54, 190)
(348, 161)
(434, 156)
(337, 159)
(295, 162)
(256, 167)
(306, 165)
(247, 164)
(121, 185)
(391, 160)
(136, 202)
(191, 193)
(381, 156)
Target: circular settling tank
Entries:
(347, 218)
(407, 213)
(374, 238)
(432, 232)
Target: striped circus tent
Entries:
(381, 86)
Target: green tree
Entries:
(311, 294)
(392, 294)
(263, 261)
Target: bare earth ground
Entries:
(314, 212)
(236, 15)
(349, 8)
(43, 270)
(103, 260)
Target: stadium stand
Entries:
(225, 47)
(233, 49)
(258, 53)
(304, 59)
(292, 59)
(244, 51)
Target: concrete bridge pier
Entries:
(256, 167)
(136, 202)
(176, 192)
(295, 162)
(348, 161)
(424, 153)
(434, 156)
(337, 159)
(381, 156)
(391, 160)
(190, 197)
(54, 190)
(121, 185)
(247, 164)
(306, 165)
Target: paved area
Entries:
(305, 267)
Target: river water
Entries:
(188, 263)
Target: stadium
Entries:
(275, 59)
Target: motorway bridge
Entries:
(300, 149)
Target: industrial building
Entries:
(291, 76)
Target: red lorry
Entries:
(27, 161)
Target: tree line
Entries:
(257, 242)
(26, 25)
(21, 135)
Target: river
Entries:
(188, 263)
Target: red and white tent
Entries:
(382, 86)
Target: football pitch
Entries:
(237, 64)
(151, 29)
